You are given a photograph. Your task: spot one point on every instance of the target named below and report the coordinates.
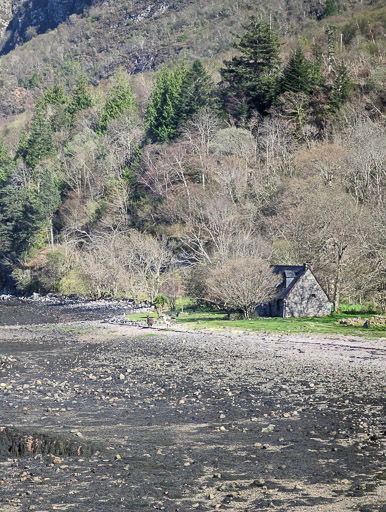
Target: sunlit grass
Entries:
(215, 320)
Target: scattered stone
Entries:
(259, 482)
(270, 428)
(142, 412)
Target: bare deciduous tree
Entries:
(324, 227)
(241, 284)
(131, 264)
(173, 287)
(364, 172)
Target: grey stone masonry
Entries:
(306, 298)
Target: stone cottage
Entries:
(299, 294)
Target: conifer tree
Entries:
(119, 100)
(162, 115)
(38, 146)
(6, 163)
(300, 75)
(55, 96)
(197, 92)
(341, 88)
(21, 216)
(81, 98)
(254, 74)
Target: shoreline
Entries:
(192, 420)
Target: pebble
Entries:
(198, 373)
(270, 428)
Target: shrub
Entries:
(73, 283)
(160, 303)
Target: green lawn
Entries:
(214, 320)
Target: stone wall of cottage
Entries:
(307, 298)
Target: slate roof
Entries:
(287, 268)
(295, 271)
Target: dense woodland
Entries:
(259, 145)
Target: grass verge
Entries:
(215, 320)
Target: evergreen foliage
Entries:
(330, 8)
(22, 215)
(251, 79)
(6, 163)
(30, 83)
(119, 100)
(49, 192)
(341, 88)
(300, 75)
(162, 115)
(81, 98)
(55, 96)
(38, 145)
(176, 97)
(197, 92)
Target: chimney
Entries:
(307, 265)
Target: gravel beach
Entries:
(144, 419)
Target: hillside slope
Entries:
(24, 20)
(125, 158)
(139, 35)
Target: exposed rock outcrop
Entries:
(22, 20)
(5, 15)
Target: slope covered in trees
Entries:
(270, 151)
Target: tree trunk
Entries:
(337, 288)
(336, 298)
(52, 235)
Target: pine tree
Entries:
(21, 217)
(6, 163)
(81, 98)
(38, 146)
(253, 76)
(119, 100)
(49, 192)
(341, 88)
(197, 92)
(55, 96)
(164, 105)
(300, 75)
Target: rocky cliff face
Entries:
(21, 20)
(5, 15)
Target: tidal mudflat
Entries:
(110, 418)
